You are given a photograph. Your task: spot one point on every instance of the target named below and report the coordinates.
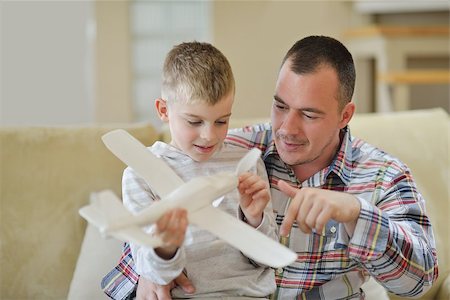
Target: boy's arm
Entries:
(267, 225)
(136, 196)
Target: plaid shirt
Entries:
(392, 241)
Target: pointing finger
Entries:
(287, 189)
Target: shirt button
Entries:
(333, 229)
(280, 270)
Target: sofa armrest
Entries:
(444, 290)
(97, 257)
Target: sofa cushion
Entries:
(47, 174)
(420, 139)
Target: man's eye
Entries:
(310, 117)
(280, 107)
(222, 122)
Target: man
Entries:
(348, 209)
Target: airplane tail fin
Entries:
(104, 211)
(248, 161)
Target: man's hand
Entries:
(147, 290)
(312, 208)
(254, 197)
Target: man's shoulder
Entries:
(370, 156)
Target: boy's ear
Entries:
(161, 109)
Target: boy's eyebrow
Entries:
(196, 116)
(309, 109)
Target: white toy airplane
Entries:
(198, 196)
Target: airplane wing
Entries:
(158, 175)
(105, 210)
(163, 180)
(108, 214)
(251, 242)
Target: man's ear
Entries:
(347, 114)
(162, 109)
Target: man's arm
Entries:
(392, 239)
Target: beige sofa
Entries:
(47, 174)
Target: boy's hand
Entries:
(171, 227)
(254, 197)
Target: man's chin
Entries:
(293, 160)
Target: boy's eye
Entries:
(194, 123)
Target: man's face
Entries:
(305, 117)
(199, 129)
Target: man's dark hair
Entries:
(310, 53)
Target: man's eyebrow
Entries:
(278, 99)
(302, 109)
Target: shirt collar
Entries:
(270, 149)
(340, 166)
(162, 149)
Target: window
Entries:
(156, 26)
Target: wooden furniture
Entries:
(390, 47)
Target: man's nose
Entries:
(291, 123)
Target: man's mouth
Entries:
(291, 144)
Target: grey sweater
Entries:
(215, 268)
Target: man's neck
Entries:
(305, 171)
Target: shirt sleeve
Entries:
(393, 238)
(136, 196)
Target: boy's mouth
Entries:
(204, 149)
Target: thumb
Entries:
(185, 283)
(286, 188)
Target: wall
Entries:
(65, 62)
(112, 62)
(45, 63)
(255, 35)
(69, 62)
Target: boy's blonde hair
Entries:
(196, 71)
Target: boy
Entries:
(196, 99)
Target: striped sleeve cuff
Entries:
(371, 234)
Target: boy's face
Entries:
(198, 129)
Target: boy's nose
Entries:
(207, 133)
